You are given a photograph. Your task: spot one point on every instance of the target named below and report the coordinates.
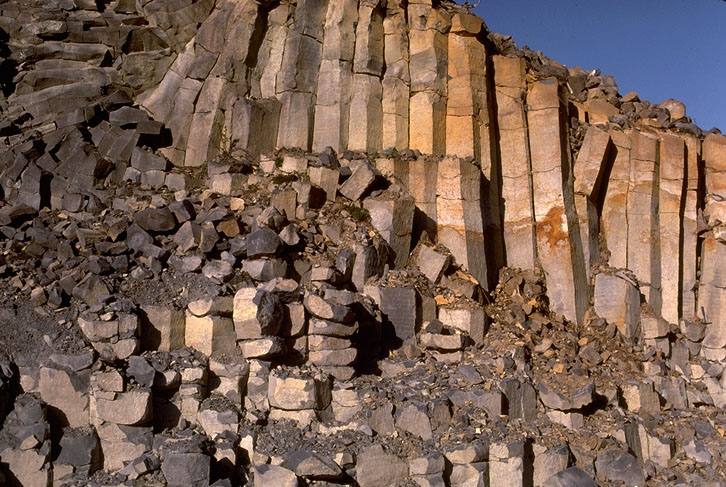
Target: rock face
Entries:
(346, 242)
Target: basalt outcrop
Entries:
(347, 242)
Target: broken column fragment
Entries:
(592, 170)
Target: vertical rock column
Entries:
(711, 292)
(269, 56)
(460, 222)
(234, 27)
(192, 91)
(559, 247)
(672, 165)
(172, 102)
(396, 80)
(689, 257)
(422, 182)
(366, 105)
(518, 220)
(592, 170)
(642, 213)
(428, 28)
(467, 95)
(334, 81)
(614, 218)
(297, 81)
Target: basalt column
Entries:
(643, 214)
(518, 221)
(559, 246)
(336, 76)
(711, 292)
(428, 44)
(672, 166)
(297, 81)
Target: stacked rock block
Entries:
(245, 78)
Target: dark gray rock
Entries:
(155, 219)
(571, 477)
(91, 290)
(80, 449)
(617, 465)
(311, 466)
(141, 371)
(263, 243)
(186, 469)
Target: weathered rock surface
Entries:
(346, 243)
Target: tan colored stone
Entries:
(205, 139)
(365, 131)
(27, 467)
(614, 222)
(126, 408)
(466, 23)
(644, 254)
(296, 393)
(672, 166)
(422, 183)
(676, 108)
(218, 422)
(690, 229)
(467, 97)
(67, 393)
(332, 109)
(592, 160)
(162, 328)
(714, 158)
(459, 218)
(392, 215)
(333, 358)
(396, 80)
(711, 295)
(210, 334)
(518, 220)
(271, 52)
(618, 301)
(474, 322)
(599, 111)
(428, 70)
(559, 245)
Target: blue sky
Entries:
(658, 48)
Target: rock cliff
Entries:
(235, 229)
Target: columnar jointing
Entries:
(365, 75)
(296, 83)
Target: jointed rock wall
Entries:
(232, 204)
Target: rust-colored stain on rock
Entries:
(550, 228)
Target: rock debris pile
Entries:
(346, 243)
